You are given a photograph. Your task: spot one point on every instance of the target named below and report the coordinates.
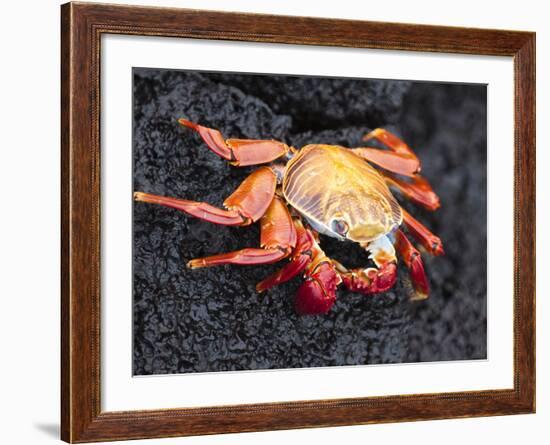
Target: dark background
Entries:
(212, 319)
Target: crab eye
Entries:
(340, 227)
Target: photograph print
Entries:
(284, 221)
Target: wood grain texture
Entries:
(81, 28)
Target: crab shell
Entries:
(340, 194)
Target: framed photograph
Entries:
(275, 222)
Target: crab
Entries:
(343, 193)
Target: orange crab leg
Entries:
(391, 141)
(428, 240)
(240, 152)
(249, 256)
(395, 162)
(277, 239)
(301, 257)
(400, 159)
(200, 210)
(411, 257)
(417, 189)
(246, 204)
(317, 293)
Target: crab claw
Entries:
(371, 280)
(318, 293)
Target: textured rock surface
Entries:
(324, 103)
(213, 319)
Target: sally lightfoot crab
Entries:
(325, 189)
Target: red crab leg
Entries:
(246, 204)
(277, 239)
(317, 293)
(240, 152)
(413, 260)
(373, 280)
(400, 159)
(430, 242)
(370, 280)
(417, 189)
(301, 257)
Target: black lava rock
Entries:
(213, 319)
(321, 103)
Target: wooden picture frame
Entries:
(82, 26)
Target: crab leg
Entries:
(317, 293)
(300, 258)
(416, 188)
(373, 280)
(411, 257)
(391, 141)
(244, 206)
(395, 162)
(399, 159)
(277, 239)
(428, 240)
(239, 152)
